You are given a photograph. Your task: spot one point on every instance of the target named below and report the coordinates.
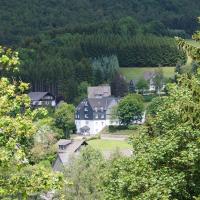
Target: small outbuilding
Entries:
(66, 150)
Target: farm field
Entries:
(104, 145)
(138, 72)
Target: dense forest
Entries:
(63, 46)
(22, 18)
(67, 45)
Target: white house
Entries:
(42, 99)
(93, 114)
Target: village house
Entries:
(94, 113)
(66, 149)
(42, 99)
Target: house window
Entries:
(101, 109)
(96, 116)
(86, 103)
(96, 109)
(102, 116)
(86, 109)
(86, 116)
(77, 116)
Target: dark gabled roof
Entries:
(70, 150)
(36, 96)
(103, 90)
(64, 142)
(103, 102)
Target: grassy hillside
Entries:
(138, 72)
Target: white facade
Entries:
(95, 126)
(44, 103)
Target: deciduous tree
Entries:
(64, 118)
(18, 178)
(130, 109)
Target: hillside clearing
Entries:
(138, 72)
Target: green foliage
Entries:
(133, 127)
(44, 148)
(82, 91)
(84, 172)
(158, 79)
(130, 109)
(140, 50)
(113, 129)
(104, 69)
(25, 19)
(167, 152)
(9, 60)
(119, 87)
(142, 85)
(17, 176)
(64, 118)
(64, 36)
(166, 157)
(155, 106)
(128, 26)
(75, 57)
(149, 98)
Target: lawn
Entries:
(138, 72)
(104, 145)
(119, 132)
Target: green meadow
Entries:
(138, 72)
(103, 145)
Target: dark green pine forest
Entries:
(66, 45)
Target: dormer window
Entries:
(86, 103)
(62, 147)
